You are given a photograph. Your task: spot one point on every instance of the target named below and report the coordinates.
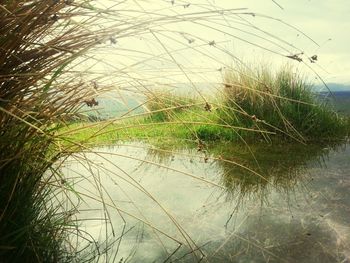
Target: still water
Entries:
(287, 204)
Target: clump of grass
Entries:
(165, 105)
(215, 133)
(200, 120)
(38, 42)
(281, 102)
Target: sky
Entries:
(180, 41)
(325, 21)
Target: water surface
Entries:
(189, 206)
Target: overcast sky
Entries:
(325, 21)
(167, 51)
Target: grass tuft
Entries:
(165, 105)
(38, 42)
(281, 102)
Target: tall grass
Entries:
(282, 102)
(38, 41)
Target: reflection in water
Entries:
(164, 204)
(282, 168)
(262, 168)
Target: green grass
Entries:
(190, 125)
(254, 108)
(281, 102)
(164, 105)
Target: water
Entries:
(164, 205)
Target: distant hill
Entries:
(112, 106)
(339, 100)
(333, 87)
(338, 97)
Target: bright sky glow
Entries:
(325, 21)
(169, 41)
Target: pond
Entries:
(289, 203)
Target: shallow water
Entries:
(165, 205)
